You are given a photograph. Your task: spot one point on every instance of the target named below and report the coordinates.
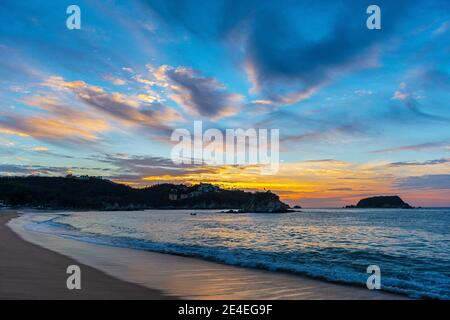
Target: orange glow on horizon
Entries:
(345, 182)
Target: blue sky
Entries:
(360, 111)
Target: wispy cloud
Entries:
(232, 64)
(414, 147)
(435, 181)
(127, 109)
(198, 95)
(442, 29)
(417, 163)
(57, 122)
(30, 169)
(298, 62)
(137, 169)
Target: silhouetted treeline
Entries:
(101, 194)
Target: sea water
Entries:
(411, 247)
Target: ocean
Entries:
(411, 247)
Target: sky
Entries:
(361, 112)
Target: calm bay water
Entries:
(411, 247)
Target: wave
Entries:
(306, 264)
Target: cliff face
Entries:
(383, 202)
(265, 202)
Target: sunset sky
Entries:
(360, 112)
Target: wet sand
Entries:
(28, 271)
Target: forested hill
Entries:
(101, 194)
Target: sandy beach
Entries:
(28, 271)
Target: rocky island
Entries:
(94, 193)
(382, 202)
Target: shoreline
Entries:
(177, 276)
(31, 272)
